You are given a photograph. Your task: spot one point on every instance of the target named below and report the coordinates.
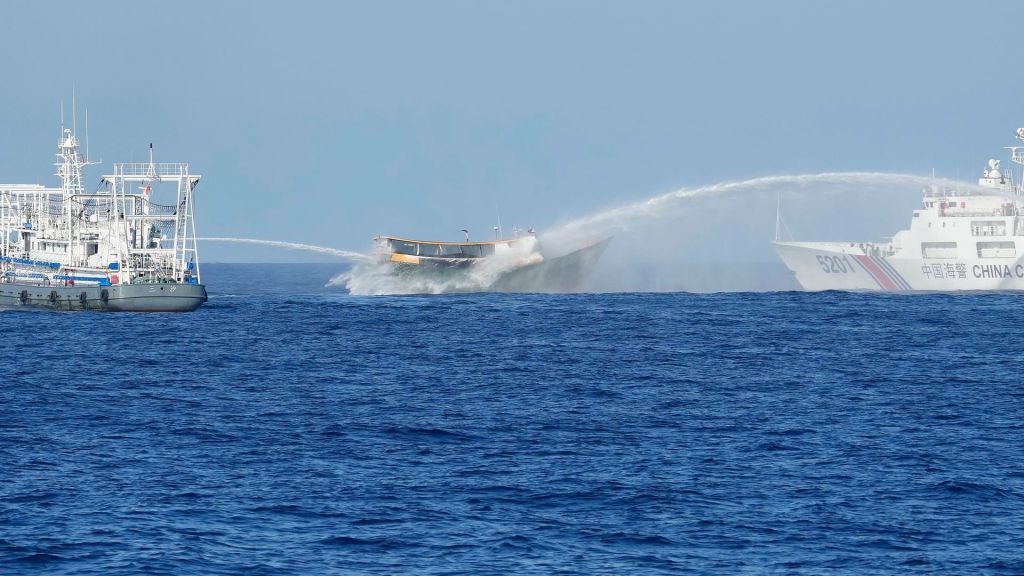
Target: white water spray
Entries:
(378, 277)
(617, 219)
(718, 237)
(346, 254)
(645, 257)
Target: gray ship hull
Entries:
(120, 298)
(559, 274)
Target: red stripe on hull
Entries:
(880, 276)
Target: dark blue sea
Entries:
(289, 428)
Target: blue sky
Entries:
(330, 122)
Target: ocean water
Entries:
(288, 428)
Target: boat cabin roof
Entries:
(434, 243)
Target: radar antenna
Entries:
(1017, 152)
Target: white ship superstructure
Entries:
(115, 248)
(959, 239)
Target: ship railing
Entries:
(871, 249)
(974, 213)
(147, 169)
(930, 192)
(981, 231)
(151, 251)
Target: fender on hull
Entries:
(119, 298)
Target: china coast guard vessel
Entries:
(113, 249)
(957, 240)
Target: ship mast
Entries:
(69, 170)
(1017, 157)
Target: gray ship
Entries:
(128, 246)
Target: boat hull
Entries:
(848, 266)
(120, 298)
(559, 274)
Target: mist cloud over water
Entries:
(718, 237)
(706, 238)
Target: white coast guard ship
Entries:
(113, 249)
(958, 240)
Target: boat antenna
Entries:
(86, 134)
(151, 169)
(74, 113)
(466, 232)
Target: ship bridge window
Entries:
(451, 250)
(471, 250)
(1003, 249)
(938, 249)
(399, 247)
(988, 228)
(430, 250)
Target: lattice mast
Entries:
(69, 170)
